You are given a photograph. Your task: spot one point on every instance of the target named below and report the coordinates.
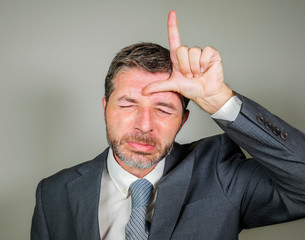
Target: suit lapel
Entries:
(171, 193)
(83, 195)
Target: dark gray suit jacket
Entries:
(208, 191)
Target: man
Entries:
(203, 190)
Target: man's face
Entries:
(141, 129)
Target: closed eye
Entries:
(125, 102)
(126, 106)
(164, 111)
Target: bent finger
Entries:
(194, 59)
(184, 63)
(208, 55)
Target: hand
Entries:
(197, 74)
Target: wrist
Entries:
(213, 103)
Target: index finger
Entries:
(173, 35)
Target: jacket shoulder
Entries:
(216, 142)
(68, 174)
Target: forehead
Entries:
(136, 76)
(132, 81)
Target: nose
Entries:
(144, 120)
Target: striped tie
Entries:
(137, 228)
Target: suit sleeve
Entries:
(39, 229)
(276, 190)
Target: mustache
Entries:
(144, 138)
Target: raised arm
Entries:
(276, 190)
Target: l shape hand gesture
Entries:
(197, 73)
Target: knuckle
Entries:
(182, 48)
(195, 50)
(209, 49)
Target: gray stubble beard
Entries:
(136, 159)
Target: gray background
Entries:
(54, 56)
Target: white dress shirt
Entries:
(115, 200)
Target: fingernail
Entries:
(202, 69)
(189, 75)
(196, 75)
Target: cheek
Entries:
(117, 123)
(168, 128)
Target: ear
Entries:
(185, 117)
(104, 106)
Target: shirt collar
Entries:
(122, 179)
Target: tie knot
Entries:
(140, 190)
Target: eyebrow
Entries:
(161, 104)
(127, 99)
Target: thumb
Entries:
(160, 86)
